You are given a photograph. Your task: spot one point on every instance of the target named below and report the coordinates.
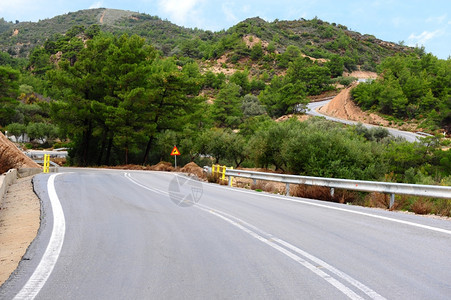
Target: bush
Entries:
(422, 206)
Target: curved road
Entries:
(129, 235)
(312, 109)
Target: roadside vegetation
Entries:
(116, 98)
(411, 87)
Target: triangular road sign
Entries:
(175, 151)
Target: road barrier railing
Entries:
(46, 165)
(220, 172)
(391, 188)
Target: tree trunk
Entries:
(102, 148)
(108, 151)
(86, 142)
(149, 145)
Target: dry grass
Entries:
(422, 206)
(418, 205)
(313, 192)
(212, 178)
(324, 193)
(162, 166)
(258, 185)
(193, 168)
(381, 200)
(443, 207)
(267, 186)
(378, 200)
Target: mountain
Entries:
(315, 38)
(20, 38)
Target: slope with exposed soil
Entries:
(11, 157)
(343, 107)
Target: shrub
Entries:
(422, 206)
(313, 192)
(259, 185)
(443, 207)
(379, 200)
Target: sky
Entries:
(416, 23)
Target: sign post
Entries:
(175, 152)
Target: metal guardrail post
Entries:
(230, 178)
(392, 200)
(287, 189)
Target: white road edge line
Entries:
(341, 287)
(52, 252)
(285, 198)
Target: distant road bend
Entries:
(124, 237)
(313, 107)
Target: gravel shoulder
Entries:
(19, 224)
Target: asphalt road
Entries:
(312, 110)
(140, 235)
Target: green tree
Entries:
(96, 92)
(16, 129)
(257, 51)
(39, 62)
(226, 109)
(9, 87)
(282, 97)
(336, 66)
(251, 106)
(291, 54)
(172, 96)
(241, 79)
(315, 78)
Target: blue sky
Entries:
(426, 23)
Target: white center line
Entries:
(282, 246)
(273, 242)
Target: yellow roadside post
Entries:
(46, 168)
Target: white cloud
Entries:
(180, 11)
(228, 12)
(425, 36)
(437, 20)
(97, 4)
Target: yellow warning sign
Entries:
(175, 151)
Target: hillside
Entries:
(315, 38)
(20, 38)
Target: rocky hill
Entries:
(315, 38)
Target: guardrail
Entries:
(391, 188)
(55, 165)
